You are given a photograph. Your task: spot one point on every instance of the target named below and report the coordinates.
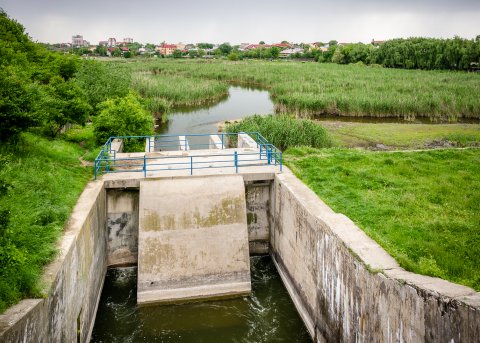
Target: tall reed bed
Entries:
(313, 89)
(166, 91)
(284, 131)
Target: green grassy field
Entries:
(402, 136)
(47, 179)
(422, 207)
(313, 89)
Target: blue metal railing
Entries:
(107, 160)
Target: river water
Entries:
(241, 102)
(267, 315)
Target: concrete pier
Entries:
(193, 239)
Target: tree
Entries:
(101, 50)
(64, 102)
(261, 42)
(332, 43)
(17, 103)
(127, 54)
(192, 53)
(101, 81)
(232, 57)
(284, 42)
(123, 116)
(177, 53)
(275, 52)
(204, 45)
(225, 48)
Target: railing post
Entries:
(95, 169)
(281, 158)
(223, 137)
(269, 155)
(260, 151)
(149, 144)
(191, 165)
(235, 157)
(145, 165)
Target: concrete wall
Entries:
(245, 141)
(257, 194)
(214, 142)
(323, 257)
(73, 282)
(193, 239)
(122, 226)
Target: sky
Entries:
(249, 21)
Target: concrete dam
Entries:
(190, 220)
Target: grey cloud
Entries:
(251, 21)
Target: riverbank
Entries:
(46, 178)
(314, 89)
(421, 207)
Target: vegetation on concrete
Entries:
(422, 207)
(313, 89)
(40, 181)
(284, 131)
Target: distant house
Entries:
(289, 52)
(124, 49)
(256, 46)
(166, 49)
(282, 45)
(265, 46)
(377, 42)
(128, 40)
(103, 43)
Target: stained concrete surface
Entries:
(193, 239)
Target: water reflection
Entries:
(241, 102)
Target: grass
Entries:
(403, 136)
(314, 89)
(284, 131)
(169, 90)
(422, 207)
(46, 178)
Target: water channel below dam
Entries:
(267, 315)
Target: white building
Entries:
(112, 42)
(128, 40)
(77, 40)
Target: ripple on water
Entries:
(268, 315)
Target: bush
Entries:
(64, 103)
(101, 81)
(285, 131)
(122, 117)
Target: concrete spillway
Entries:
(193, 239)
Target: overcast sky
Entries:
(245, 20)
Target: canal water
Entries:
(241, 102)
(268, 315)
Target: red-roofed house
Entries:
(166, 49)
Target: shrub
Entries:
(101, 81)
(122, 117)
(285, 131)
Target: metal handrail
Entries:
(108, 162)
